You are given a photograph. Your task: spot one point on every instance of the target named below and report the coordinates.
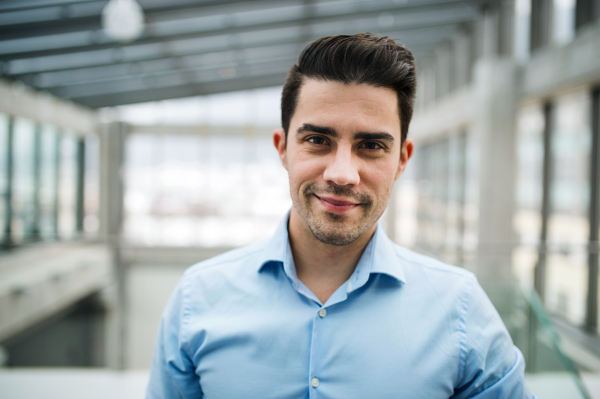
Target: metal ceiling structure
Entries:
(199, 47)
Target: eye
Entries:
(316, 140)
(371, 146)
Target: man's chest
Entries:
(349, 351)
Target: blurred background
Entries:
(135, 141)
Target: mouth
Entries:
(336, 205)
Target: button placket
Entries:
(318, 351)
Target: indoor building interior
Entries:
(136, 141)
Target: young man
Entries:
(329, 307)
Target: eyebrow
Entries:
(307, 127)
(374, 136)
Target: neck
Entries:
(323, 268)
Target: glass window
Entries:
(432, 162)
(443, 192)
(49, 141)
(527, 219)
(522, 29)
(456, 199)
(4, 121)
(470, 239)
(447, 199)
(564, 21)
(67, 185)
(203, 190)
(424, 173)
(439, 179)
(568, 223)
(407, 198)
(23, 201)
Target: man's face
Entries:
(343, 155)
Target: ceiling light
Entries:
(123, 20)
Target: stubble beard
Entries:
(330, 228)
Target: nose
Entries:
(341, 170)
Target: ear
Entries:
(279, 142)
(405, 153)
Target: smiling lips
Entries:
(335, 205)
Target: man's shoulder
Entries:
(249, 254)
(416, 263)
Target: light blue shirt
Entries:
(242, 325)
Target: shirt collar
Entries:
(385, 258)
(379, 257)
(277, 246)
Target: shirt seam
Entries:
(462, 329)
(444, 268)
(186, 310)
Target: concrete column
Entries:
(495, 125)
(541, 23)
(462, 59)
(8, 189)
(486, 34)
(112, 150)
(428, 84)
(80, 190)
(586, 12)
(506, 28)
(443, 70)
(37, 175)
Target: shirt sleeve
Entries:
(490, 365)
(173, 373)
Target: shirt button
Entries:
(314, 382)
(322, 313)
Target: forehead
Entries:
(354, 106)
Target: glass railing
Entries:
(550, 373)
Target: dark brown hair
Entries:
(361, 58)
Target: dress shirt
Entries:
(242, 325)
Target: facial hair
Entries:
(329, 228)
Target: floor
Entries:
(72, 384)
(561, 385)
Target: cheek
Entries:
(304, 170)
(380, 178)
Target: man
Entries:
(329, 307)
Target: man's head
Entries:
(345, 112)
(360, 58)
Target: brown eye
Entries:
(316, 140)
(371, 145)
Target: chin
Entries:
(335, 231)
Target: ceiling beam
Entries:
(178, 91)
(270, 49)
(75, 16)
(20, 5)
(140, 53)
(261, 67)
(196, 77)
(227, 24)
(194, 47)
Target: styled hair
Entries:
(362, 58)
